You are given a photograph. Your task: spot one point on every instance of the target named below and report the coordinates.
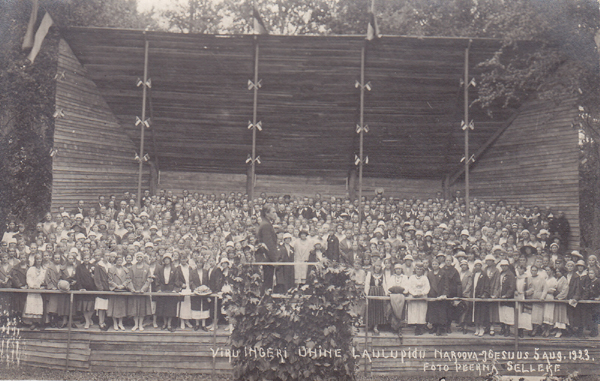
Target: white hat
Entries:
(74, 250)
(288, 235)
(443, 226)
(497, 247)
(580, 262)
(144, 214)
(490, 257)
(428, 234)
(378, 230)
(543, 231)
(464, 262)
(373, 240)
(92, 233)
(154, 227)
(79, 215)
(381, 223)
(465, 232)
(79, 236)
(224, 260)
(504, 262)
(229, 244)
(419, 232)
(409, 257)
(149, 244)
(576, 253)
(461, 254)
(477, 262)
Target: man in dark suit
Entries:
(266, 241)
(333, 245)
(575, 315)
(454, 290)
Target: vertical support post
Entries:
(466, 119)
(516, 326)
(254, 121)
(69, 331)
(215, 325)
(141, 154)
(366, 330)
(362, 132)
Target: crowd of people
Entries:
(421, 253)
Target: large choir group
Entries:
(420, 253)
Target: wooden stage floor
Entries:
(190, 351)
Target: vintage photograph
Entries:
(299, 190)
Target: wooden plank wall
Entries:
(294, 185)
(387, 355)
(534, 162)
(94, 156)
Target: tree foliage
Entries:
(194, 16)
(26, 119)
(100, 13)
(316, 316)
(288, 17)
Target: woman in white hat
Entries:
(34, 305)
(119, 279)
(167, 281)
(561, 318)
(417, 287)
(139, 307)
(480, 290)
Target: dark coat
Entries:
(216, 279)
(266, 234)
(174, 283)
(101, 279)
(333, 248)
(575, 291)
(482, 290)
(454, 283)
(84, 277)
(285, 274)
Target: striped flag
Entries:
(372, 28)
(259, 25)
(39, 36)
(28, 39)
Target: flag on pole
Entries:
(372, 28)
(259, 25)
(28, 39)
(39, 36)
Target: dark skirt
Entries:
(6, 304)
(85, 303)
(117, 306)
(481, 313)
(139, 305)
(166, 306)
(201, 303)
(576, 315)
(437, 312)
(376, 307)
(58, 304)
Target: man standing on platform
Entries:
(266, 241)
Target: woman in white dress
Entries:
(548, 296)
(302, 248)
(34, 304)
(418, 287)
(524, 290)
(185, 306)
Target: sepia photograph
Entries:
(370, 190)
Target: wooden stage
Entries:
(191, 351)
